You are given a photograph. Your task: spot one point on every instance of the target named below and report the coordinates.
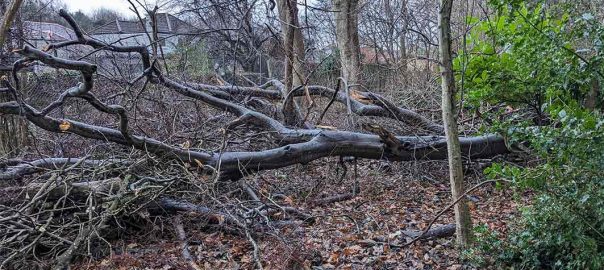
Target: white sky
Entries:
(87, 6)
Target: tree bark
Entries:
(347, 35)
(462, 213)
(13, 131)
(7, 19)
(591, 99)
(293, 44)
(403, 43)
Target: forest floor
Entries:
(361, 233)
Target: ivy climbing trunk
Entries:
(462, 213)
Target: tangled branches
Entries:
(71, 211)
(69, 206)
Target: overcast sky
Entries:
(88, 6)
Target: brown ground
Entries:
(345, 233)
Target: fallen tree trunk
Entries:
(323, 144)
(300, 146)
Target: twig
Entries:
(180, 231)
(333, 98)
(256, 250)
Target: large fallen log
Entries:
(324, 143)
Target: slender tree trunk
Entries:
(347, 35)
(7, 19)
(293, 44)
(462, 213)
(13, 130)
(403, 41)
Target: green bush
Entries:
(564, 226)
(527, 58)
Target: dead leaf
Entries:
(471, 205)
(351, 250)
(334, 258)
(220, 219)
(246, 259)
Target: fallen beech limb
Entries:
(218, 218)
(324, 143)
(180, 232)
(293, 212)
(380, 107)
(434, 233)
(213, 216)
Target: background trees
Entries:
(241, 129)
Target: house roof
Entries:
(369, 55)
(166, 24)
(47, 31)
(119, 27)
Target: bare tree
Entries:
(238, 35)
(293, 44)
(347, 31)
(12, 129)
(462, 213)
(8, 18)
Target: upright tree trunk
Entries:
(7, 19)
(403, 42)
(13, 130)
(293, 44)
(347, 35)
(462, 213)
